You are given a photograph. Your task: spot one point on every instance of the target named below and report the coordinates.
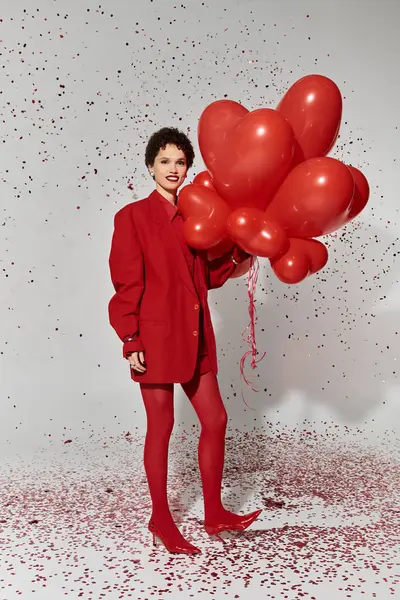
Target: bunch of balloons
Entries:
(269, 187)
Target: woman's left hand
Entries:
(137, 361)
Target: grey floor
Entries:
(73, 522)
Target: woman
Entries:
(161, 314)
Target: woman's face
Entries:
(169, 168)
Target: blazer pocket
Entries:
(151, 330)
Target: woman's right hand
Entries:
(137, 362)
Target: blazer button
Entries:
(196, 307)
(195, 333)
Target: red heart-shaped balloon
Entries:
(304, 257)
(205, 215)
(204, 178)
(316, 251)
(314, 198)
(361, 193)
(226, 244)
(293, 267)
(313, 107)
(358, 202)
(247, 153)
(215, 121)
(257, 236)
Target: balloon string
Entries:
(249, 334)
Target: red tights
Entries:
(204, 394)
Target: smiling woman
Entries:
(169, 169)
(160, 311)
(169, 155)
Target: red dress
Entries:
(161, 289)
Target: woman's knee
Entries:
(216, 422)
(160, 427)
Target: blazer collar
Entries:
(158, 209)
(169, 237)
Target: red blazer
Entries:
(155, 297)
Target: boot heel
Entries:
(180, 547)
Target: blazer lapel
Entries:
(167, 233)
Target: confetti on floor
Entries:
(73, 524)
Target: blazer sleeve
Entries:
(220, 269)
(127, 275)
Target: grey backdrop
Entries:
(81, 89)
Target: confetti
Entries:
(331, 520)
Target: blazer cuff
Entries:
(132, 346)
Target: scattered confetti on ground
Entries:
(75, 524)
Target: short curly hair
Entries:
(168, 135)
